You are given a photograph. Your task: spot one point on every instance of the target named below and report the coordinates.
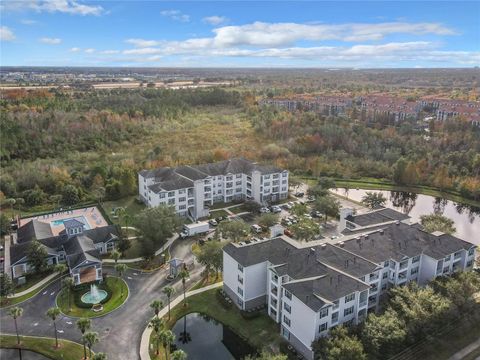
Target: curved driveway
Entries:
(120, 331)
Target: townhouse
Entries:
(193, 189)
(311, 287)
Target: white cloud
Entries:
(142, 42)
(90, 51)
(142, 51)
(6, 34)
(215, 20)
(64, 6)
(109, 52)
(50, 41)
(28, 22)
(75, 49)
(176, 15)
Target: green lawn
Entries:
(31, 279)
(12, 301)
(153, 264)
(260, 332)
(239, 209)
(132, 206)
(119, 295)
(217, 213)
(68, 350)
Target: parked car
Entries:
(256, 228)
(276, 209)
(299, 194)
(308, 216)
(220, 219)
(213, 222)
(316, 214)
(286, 222)
(287, 206)
(288, 232)
(264, 210)
(310, 199)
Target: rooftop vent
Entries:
(381, 231)
(397, 222)
(241, 243)
(365, 236)
(341, 243)
(312, 249)
(323, 246)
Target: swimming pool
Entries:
(82, 219)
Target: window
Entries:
(240, 302)
(284, 174)
(287, 308)
(393, 264)
(182, 207)
(385, 275)
(240, 291)
(323, 327)
(238, 176)
(171, 201)
(171, 193)
(335, 317)
(384, 286)
(274, 278)
(286, 320)
(385, 264)
(471, 251)
(162, 195)
(336, 303)
(288, 294)
(350, 297)
(323, 313)
(181, 191)
(416, 259)
(447, 258)
(240, 268)
(469, 263)
(348, 311)
(182, 199)
(403, 264)
(414, 271)
(240, 279)
(446, 269)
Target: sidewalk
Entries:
(34, 287)
(158, 252)
(465, 351)
(144, 344)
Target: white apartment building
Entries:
(193, 189)
(310, 288)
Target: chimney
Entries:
(381, 231)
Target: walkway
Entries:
(34, 287)
(465, 351)
(145, 342)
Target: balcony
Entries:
(274, 291)
(373, 277)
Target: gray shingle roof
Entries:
(73, 223)
(376, 217)
(33, 229)
(79, 249)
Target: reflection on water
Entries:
(202, 337)
(465, 217)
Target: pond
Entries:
(466, 217)
(206, 338)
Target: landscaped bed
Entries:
(152, 264)
(259, 331)
(117, 293)
(68, 350)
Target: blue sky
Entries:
(240, 34)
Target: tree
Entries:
(11, 202)
(251, 206)
(53, 313)
(179, 355)
(328, 206)
(399, 171)
(56, 200)
(121, 269)
(4, 224)
(264, 355)
(90, 338)
(168, 291)
(299, 209)
(156, 305)
(339, 346)
(305, 229)
(167, 338)
(99, 356)
(383, 335)
(184, 275)
(233, 230)
(211, 256)
(156, 324)
(437, 222)
(15, 313)
(294, 182)
(37, 256)
(373, 200)
(6, 285)
(326, 183)
(83, 324)
(70, 195)
(460, 289)
(60, 268)
(67, 283)
(268, 219)
(115, 254)
(317, 191)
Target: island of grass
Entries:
(259, 331)
(70, 300)
(8, 301)
(67, 350)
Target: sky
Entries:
(377, 34)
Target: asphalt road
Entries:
(120, 331)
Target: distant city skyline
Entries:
(240, 34)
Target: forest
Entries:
(65, 146)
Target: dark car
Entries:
(299, 194)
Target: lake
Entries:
(466, 217)
(206, 338)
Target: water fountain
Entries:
(94, 296)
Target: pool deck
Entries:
(92, 215)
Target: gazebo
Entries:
(176, 265)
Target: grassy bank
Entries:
(12, 301)
(68, 350)
(260, 331)
(119, 291)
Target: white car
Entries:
(256, 228)
(213, 222)
(287, 206)
(264, 210)
(276, 209)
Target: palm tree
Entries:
(184, 275)
(53, 313)
(67, 283)
(167, 338)
(168, 291)
(91, 338)
(179, 355)
(115, 254)
(15, 313)
(60, 268)
(156, 324)
(156, 305)
(127, 217)
(99, 356)
(121, 269)
(83, 325)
